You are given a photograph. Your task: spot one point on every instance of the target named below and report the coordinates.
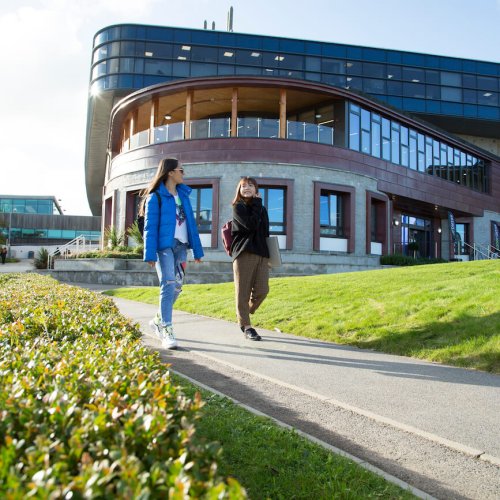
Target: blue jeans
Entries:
(170, 274)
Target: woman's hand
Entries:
(151, 263)
(197, 260)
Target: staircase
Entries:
(74, 247)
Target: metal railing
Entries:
(82, 243)
(482, 252)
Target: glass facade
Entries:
(412, 149)
(18, 234)
(134, 57)
(28, 206)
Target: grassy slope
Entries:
(442, 312)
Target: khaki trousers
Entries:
(251, 283)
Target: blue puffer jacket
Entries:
(159, 228)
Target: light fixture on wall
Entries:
(396, 222)
(439, 230)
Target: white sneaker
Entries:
(155, 324)
(168, 337)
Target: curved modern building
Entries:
(359, 152)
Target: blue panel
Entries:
(247, 42)
(313, 48)
(433, 107)
(227, 40)
(395, 101)
(355, 52)
(269, 43)
(413, 59)
(469, 66)
(451, 108)
(432, 61)
(376, 55)
(114, 33)
(470, 110)
(296, 46)
(488, 112)
(394, 57)
(160, 34)
(129, 31)
(410, 104)
(205, 37)
(330, 49)
(487, 68)
(138, 81)
(449, 63)
(182, 36)
(153, 80)
(141, 32)
(126, 81)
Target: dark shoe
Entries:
(242, 328)
(251, 334)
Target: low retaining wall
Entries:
(215, 268)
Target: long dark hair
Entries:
(165, 166)
(249, 180)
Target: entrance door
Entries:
(416, 236)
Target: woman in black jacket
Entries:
(250, 253)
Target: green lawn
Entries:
(272, 462)
(449, 313)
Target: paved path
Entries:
(17, 267)
(434, 426)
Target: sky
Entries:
(46, 52)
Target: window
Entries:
(386, 139)
(333, 222)
(395, 142)
(375, 135)
(354, 125)
(331, 214)
(274, 199)
(201, 200)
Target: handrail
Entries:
(77, 245)
(481, 252)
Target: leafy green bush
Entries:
(85, 410)
(130, 253)
(403, 260)
(113, 238)
(134, 232)
(42, 259)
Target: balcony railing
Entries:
(212, 128)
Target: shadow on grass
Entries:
(458, 342)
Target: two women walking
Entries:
(170, 230)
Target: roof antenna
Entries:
(213, 25)
(230, 20)
(205, 24)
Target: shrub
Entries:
(134, 232)
(42, 259)
(108, 254)
(113, 238)
(403, 260)
(85, 410)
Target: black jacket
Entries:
(250, 228)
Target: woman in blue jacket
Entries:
(169, 230)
